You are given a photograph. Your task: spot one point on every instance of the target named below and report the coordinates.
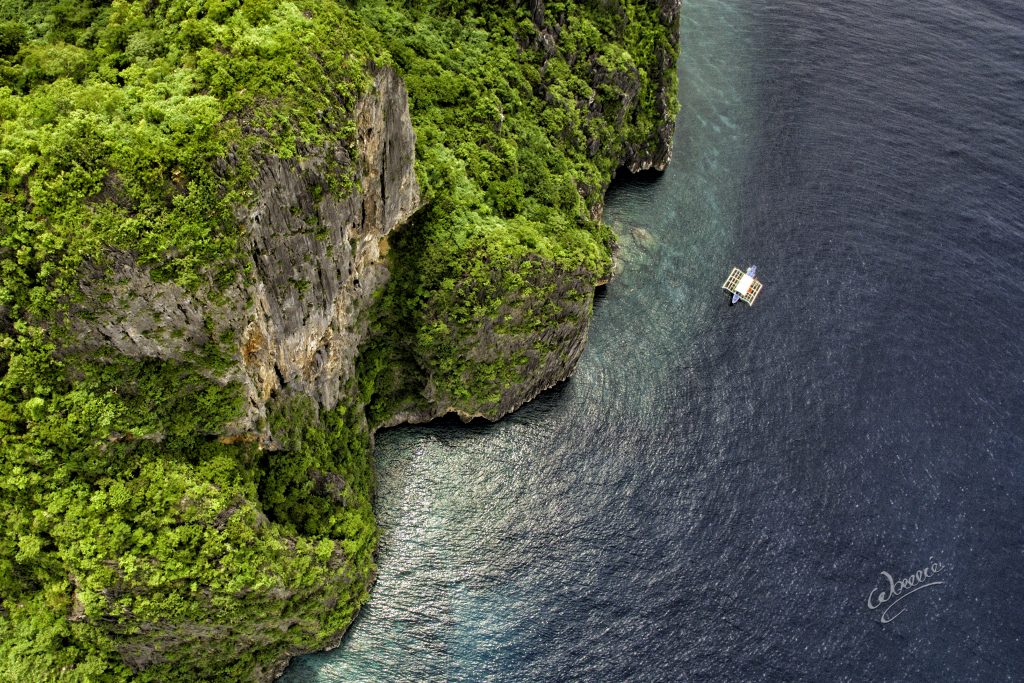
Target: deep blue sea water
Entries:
(715, 493)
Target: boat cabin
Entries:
(743, 285)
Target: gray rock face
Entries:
(316, 264)
(314, 261)
(669, 11)
(128, 311)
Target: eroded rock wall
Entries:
(311, 262)
(317, 264)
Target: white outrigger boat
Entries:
(743, 285)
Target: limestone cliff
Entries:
(317, 264)
(531, 358)
(315, 260)
(312, 262)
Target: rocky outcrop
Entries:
(538, 341)
(317, 263)
(546, 355)
(654, 153)
(312, 261)
(313, 257)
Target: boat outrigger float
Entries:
(743, 285)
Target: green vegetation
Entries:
(515, 147)
(134, 537)
(140, 542)
(126, 517)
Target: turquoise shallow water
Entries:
(715, 493)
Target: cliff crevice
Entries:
(317, 263)
(311, 260)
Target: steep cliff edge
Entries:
(309, 265)
(317, 261)
(557, 102)
(238, 238)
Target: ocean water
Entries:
(716, 492)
